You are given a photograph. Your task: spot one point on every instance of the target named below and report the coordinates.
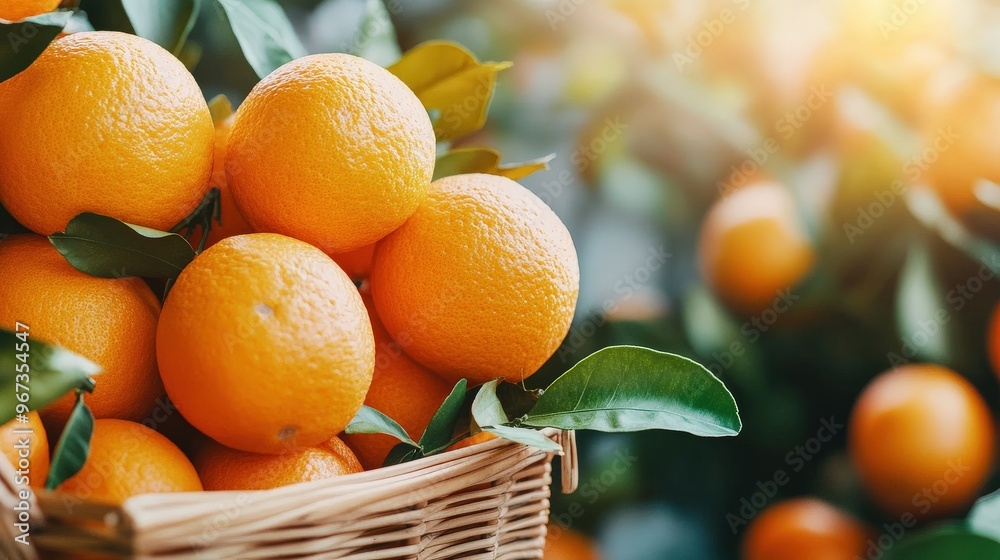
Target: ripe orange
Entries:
(222, 468)
(963, 149)
(481, 282)
(564, 544)
(753, 246)
(111, 322)
(14, 10)
(231, 221)
(357, 263)
(264, 344)
(136, 145)
(27, 448)
(127, 459)
(330, 149)
(402, 389)
(993, 343)
(923, 440)
(805, 529)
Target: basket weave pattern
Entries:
(487, 501)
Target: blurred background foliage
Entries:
(877, 119)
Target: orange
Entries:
(993, 342)
(564, 544)
(923, 440)
(14, 10)
(127, 459)
(222, 468)
(264, 344)
(111, 322)
(26, 446)
(481, 282)
(402, 389)
(231, 222)
(481, 437)
(330, 149)
(103, 122)
(960, 149)
(752, 247)
(357, 263)
(805, 529)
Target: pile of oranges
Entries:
(340, 274)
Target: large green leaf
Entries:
(108, 248)
(376, 37)
(371, 421)
(441, 429)
(74, 445)
(984, 519)
(264, 33)
(164, 22)
(628, 388)
(945, 543)
(24, 40)
(38, 370)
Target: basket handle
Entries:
(570, 468)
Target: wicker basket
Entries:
(487, 501)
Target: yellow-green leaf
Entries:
(486, 160)
(220, 107)
(448, 78)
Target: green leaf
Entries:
(164, 22)
(486, 160)
(401, 453)
(371, 421)
(200, 220)
(220, 107)
(926, 206)
(486, 407)
(446, 77)
(628, 388)
(46, 373)
(376, 38)
(525, 436)
(947, 542)
(108, 248)
(517, 400)
(23, 41)
(984, 519)
(920, 302)
(264, 33)
(74, 445)
(488, 413)
(439, 432)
